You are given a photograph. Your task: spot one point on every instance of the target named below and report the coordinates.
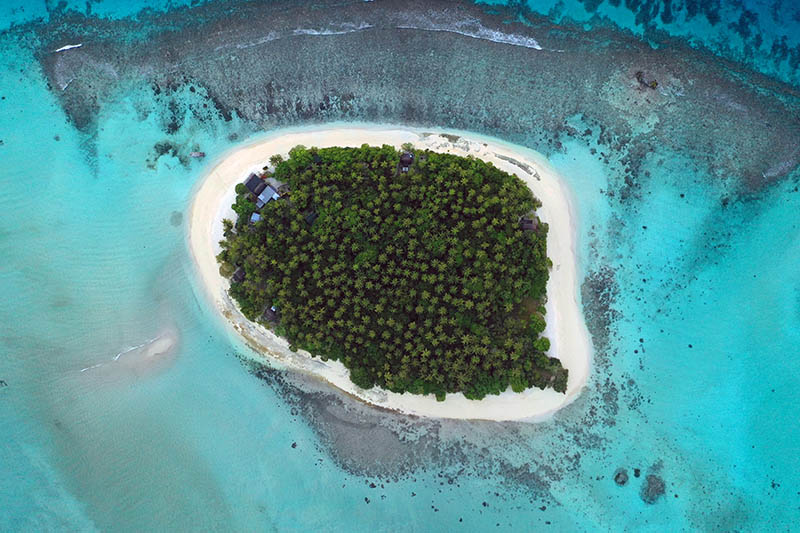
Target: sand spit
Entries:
(566, 327)
(145, 359)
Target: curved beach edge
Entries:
(566, 328)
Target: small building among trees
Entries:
(238, 275)
(270, 314)
(267, 195)
(529, 222)
(406, 160)
(255, 184)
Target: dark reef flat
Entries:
(382, 62)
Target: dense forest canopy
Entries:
(418, 279)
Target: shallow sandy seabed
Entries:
(566, 327)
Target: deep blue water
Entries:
(693, 287)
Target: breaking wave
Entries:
(340, 29)
(469, 27)
(438, 21)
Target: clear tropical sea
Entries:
(689, 247)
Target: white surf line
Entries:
(120, 354)
(68, 47)
(274, 36)
(483, 33)
(123, 352)
(347, 27)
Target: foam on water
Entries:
(447, 21)
(340, 29)
(68, 47)
(435, 21)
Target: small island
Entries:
(305, 259)
(421, 272)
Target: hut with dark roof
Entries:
(238, 275)
(406, 160)
(529, 223)
(255, 184)
(270, 314)
(310, 216)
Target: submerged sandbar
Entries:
(566, 328)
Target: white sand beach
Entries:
(566, 327)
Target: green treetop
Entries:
(421, 281)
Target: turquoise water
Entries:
(690, 260)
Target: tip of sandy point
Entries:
(162, 345)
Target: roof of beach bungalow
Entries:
(238, 275)
(266, 196)
(255, 184)
(270, 314)
(406, 159)
(528, 223)
(255, 217)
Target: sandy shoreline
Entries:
(566, 327)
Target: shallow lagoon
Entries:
(699, 264)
